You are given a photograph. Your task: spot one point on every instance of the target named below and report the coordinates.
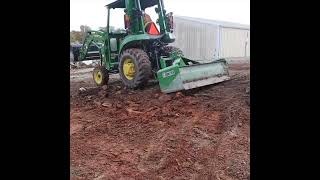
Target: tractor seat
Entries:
(151, 28)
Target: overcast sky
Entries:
(94, 14)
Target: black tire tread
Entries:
(144, 67)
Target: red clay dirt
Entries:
(203, 133)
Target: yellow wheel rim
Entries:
(98, 77)
(128, 69)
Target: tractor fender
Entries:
(132, 39)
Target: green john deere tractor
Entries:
(141, 52)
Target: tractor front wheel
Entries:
(134, 68)
(100, 75)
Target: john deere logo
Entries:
(167, 74)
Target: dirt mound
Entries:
(145, 134)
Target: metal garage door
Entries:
(196, 40)
(248, 45)
(234, 42)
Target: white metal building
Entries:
(202, 39)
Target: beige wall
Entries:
(233, 42)
(199, 41)
(196, 40)
(248, 45)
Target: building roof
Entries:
(214, 22)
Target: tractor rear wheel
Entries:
(134, 68)
(100, 75)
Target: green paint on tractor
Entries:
(176, 78)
